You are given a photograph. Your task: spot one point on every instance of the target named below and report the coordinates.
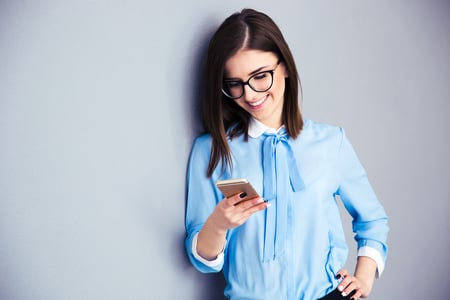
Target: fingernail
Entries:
(340, 288)
(242, 195)
(338, 276)
(344, 294)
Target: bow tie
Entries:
(280, 171)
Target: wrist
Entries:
(365, 272)
(215, 226)
(211, 240)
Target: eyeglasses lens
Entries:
(260, 82)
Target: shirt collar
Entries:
(256, 128)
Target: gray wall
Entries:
(98, 109)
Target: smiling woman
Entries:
(254, 130)
(260, 81)
(262, 94)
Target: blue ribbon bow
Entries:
(280, 171)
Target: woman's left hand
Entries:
(360, 284)
(352, 286)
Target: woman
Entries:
(288, 243)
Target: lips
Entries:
(258, 103)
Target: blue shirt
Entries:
(293, 249)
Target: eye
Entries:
(261, 76)
(232, 84)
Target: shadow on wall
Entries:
(214, 287)
(211, 285)
(208, 286)
(194, 78)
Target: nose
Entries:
(249, 93)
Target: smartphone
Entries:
(231, 187)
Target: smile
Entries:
(258, 103)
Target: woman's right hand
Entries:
(233, 211)
(229, 213)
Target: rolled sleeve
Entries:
(201, 264)
(214, 264)
(202, 198)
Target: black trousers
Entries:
(336, 295)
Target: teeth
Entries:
(257, 102)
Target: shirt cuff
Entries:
(210, 263)
(375, 255)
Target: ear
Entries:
(284, 70)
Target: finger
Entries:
(257, 207)
(239, 198)
(254, 209)
(345, 283)
(352, 293)
(246, 204)
(341, 274)
(356, 295)
(351, 288)
(235, 199)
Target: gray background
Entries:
(98, 109)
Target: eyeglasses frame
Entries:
(243, 84)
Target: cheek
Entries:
(241, 103)
(279, 88)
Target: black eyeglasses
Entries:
(259, 82)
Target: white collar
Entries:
(256, 128)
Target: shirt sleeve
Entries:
(369, 218)
(202, 198)
(210, 263)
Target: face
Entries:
(266, 107)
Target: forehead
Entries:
(245, 62)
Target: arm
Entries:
(207, 218)
(365, 271)
(228, 214)
(369, 224)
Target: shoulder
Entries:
(314, 132)
(201, 146)
(204, 139)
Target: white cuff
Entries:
(375, 255)
(210, 263)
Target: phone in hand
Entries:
(231, 187)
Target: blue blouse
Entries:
(292, 249)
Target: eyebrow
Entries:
(260, 69)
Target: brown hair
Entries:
(222, 117)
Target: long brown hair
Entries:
(222, 117)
